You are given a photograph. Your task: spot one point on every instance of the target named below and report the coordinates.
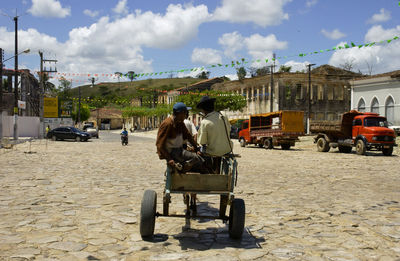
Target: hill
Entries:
(132, 89)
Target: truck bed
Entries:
(275, 133)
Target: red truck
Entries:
(362, 130)
(267, 130)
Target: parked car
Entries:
(64, 133)
(396, 128)
(94, 132)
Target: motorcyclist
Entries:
(124, 134)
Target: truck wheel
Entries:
(322, 145)
(268, 144)
(237, 218)
(148, 213)
(387, 152)
(242, 142)
(360, 147)
(285, 146)
(345, 149)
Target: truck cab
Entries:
(373, 131)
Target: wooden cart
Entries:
(193, 183)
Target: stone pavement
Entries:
(81, 201)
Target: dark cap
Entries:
(205, 102)
(180, 107)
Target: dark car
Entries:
(65, 133)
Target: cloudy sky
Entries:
(156, 36)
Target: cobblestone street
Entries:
(81, 201)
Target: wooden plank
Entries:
(200, 182)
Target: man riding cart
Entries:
(210, 170)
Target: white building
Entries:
(378, 93)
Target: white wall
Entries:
(27, 126)
(380, 88)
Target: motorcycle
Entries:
(124, 139)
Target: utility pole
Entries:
(271, 103)
(1, 95)
(79, 104)
(309, 97)
(16, 80)
(42, 127)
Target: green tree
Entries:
(241, 73)
(84, 112)
(64, 89)
(263, 71)
(284, 68)
(224, 100)
(131, 75)
(203, 75)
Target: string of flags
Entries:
(243, 61)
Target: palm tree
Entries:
(131, 75)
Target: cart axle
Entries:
(196, 216)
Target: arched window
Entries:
(375, 105)
(389, 109)
(361, 105)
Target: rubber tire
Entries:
(285, 146)
(268, 144)
(387, 152)
(360, 147)
(237, 218)
(97, 136)
(148, 213)
(345, 149)
(242, 142)
(78, 139)
(322, 145)
(53, 138)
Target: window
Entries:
(299, 92)
(357, 122)
(330, 93)
(288, 91)
(361, 105)
(389, 109)
(339, 91)
(314, 92)
(375, 105)
(320, 92)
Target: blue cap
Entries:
(180, 106)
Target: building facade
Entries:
(329, 96)
(378, 93)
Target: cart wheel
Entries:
(148, 213)
(236, 218)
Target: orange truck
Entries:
(362, 130)
(281, 128)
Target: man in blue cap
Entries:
(171, 134)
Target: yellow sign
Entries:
(50, 107)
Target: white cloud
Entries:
(121, 7)
(115, 45)
(383, 58)
(91, 13)
(49, 8)
(260, 47)
(382, 16)
(232, 77)
(334, 35)
(310, 3)
(206, 56)
(231, 43)
(296, 66)
(261, 12)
